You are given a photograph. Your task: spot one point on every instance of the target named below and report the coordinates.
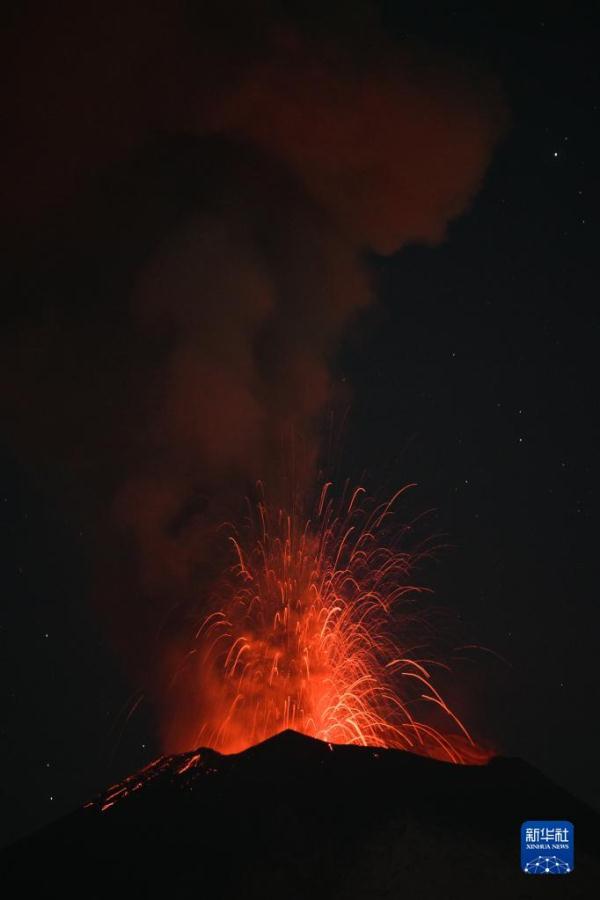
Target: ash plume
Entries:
(191, 198)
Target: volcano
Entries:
(295, 817)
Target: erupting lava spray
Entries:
(318, 628)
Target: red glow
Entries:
(320, 628)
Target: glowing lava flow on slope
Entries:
(320, 631)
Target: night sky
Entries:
(473, 374)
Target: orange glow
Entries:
(320, 628)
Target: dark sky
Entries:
(473, 375)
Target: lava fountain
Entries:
(317, 626)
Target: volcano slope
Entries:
(294, 817)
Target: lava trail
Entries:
(318, 626)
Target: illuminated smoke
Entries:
(220, 179)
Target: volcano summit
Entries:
(295, 817)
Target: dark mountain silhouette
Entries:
(297, 818)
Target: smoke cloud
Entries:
(192, 195)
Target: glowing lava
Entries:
(319, 629)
